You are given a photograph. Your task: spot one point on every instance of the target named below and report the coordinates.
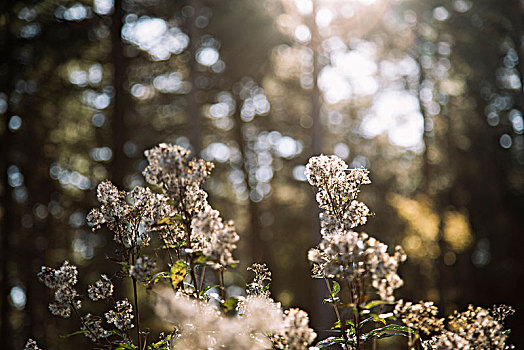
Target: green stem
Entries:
(358, 297)
(339, 319)
(145, 341)
(188, 241)
(137, 319)
(135, 294)
(222, 290)
(202, 275)
(168, 251)
(357, 327)
(194, 278)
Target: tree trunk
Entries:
(255, 242)
(195, 122)
(8, 205)
(121, 99)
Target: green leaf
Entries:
(331, 300)
(168, 220)
(198, 258)
(383, 332)
(230, 303)
(336, 289)
(387, 316)
(161, 345)
(387, 335)
(374, 303)
(156, 278)
(158, 346)
(124, 346)
(365, 321)
(178, 273)
(329, 341)
(398, 328)
(507, 331)
(74, 333)
(189, 285)
(378, 319)
(349, 323)
(125, 267)
(203, 291)
(115, 332)
(156, 189)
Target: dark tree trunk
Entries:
(257, 251)
(195, 122)
(8, 206)
(121, 99)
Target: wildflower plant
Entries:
(361, 276)
(355, 266)
(192, 241)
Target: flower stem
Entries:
(222, 290)
(202, 275)
(135, 294)
(340, 320)
(137, 319)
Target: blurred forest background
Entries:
(427, 94)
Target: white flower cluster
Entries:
(93, 326)
(338, 188)
(121, 316)
(181, 180)
(31, 345)
(343, 253)
(142, 269)
(216, 239)
(475, 328)
(291, 327)
(260, 284)
(62, 282)
(202, 326)
(419, 316)
(446, 340)
(151, 207)
(295, 333)
(357, 257)
(501, 312)
(261, 314)
(102, 289)
(128, 214)
(181, 214)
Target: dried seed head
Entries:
(102, 289)
(121, 316)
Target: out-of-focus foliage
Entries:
(426, 94)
